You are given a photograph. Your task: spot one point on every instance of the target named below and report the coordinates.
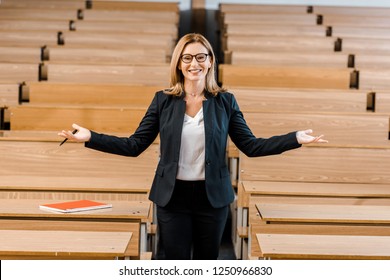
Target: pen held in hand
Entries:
(66, 139)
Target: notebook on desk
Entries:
(74, 206)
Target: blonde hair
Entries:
(177, 78)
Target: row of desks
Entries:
(117, 232)
(360, 231)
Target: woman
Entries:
(194, 117)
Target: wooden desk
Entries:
(324, 214)
(37, 244)
(137, 213)
(300, 246)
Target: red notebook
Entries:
(74, 206)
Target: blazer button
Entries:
(207, 162)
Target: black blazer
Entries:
(222, 118)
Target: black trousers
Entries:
(189, 227)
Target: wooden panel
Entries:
(53, 170)
(63, 244)
(315, 164)
(92, 94)
(295, 19)
(20, 55)
(299, 100)
(18, 72)
(274, 30)
(261, 8)
(286, 58)
(302, 77)
(131, 16)
(279, 43)
(339, 129)
(28, 38)
(109, 119)
(382, 102)
(9, 95)
(126, 5)
(374, 79)
(289, 246)
(49, 225)
(85, 55)
(119, 74)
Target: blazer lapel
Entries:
(208, 113)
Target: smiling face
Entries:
(194, 70)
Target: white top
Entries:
(192, 149)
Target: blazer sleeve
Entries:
(134, 145)
(243, 138)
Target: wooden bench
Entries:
(288, 58)
(273, 30)
(262, 99)
(126, 5)
(118, 40)
(92, 55)
(36, 244)
(374, 79)
(29, 38)
(271, 18)
(44, 4)
(34, 24)
(38, 13)
(339, 247)
(117, 74)
(137, 214)
(34, 169)
(262, 8)
(252, 192)
(142, 27)
(320, 164)
(371, 61)
(91, 94)
(353, 130)
(44, 225)
(56, 117)
(278, 43)
(382, 102)
(365, 46)
(366, 20)
(9, 96)
(293, 77)
(131, 16)
(351, 11)
(18, 72)
(10, 54)
(361, 32)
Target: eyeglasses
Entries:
(200, 57)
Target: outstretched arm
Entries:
(303, 137)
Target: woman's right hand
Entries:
(82, 134)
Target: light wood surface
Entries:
(247, 189)
(321, 164)
(293, 77)
(92, 94)
(290, 246)
(262, 99)
(307, 213)
(17, 244)
(45, 170)
(138, 210)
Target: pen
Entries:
(73, 132)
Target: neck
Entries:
(194, 88)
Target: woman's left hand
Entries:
(303, 137)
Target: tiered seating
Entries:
(91, 67)
(280, 82)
